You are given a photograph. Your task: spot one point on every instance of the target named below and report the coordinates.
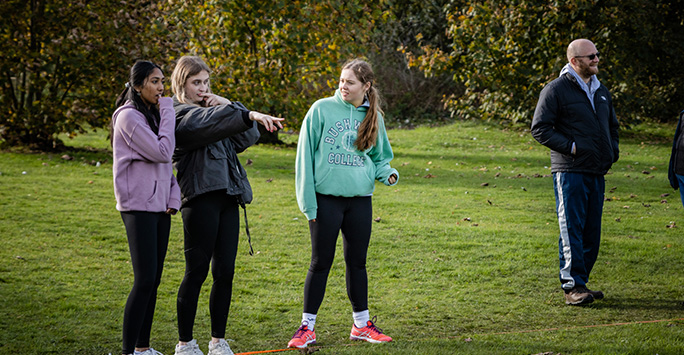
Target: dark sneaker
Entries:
(578, 295)
(598, 295)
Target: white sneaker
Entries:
(190, 348)
(149, 351)
(220, 348)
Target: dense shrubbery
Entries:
(64, 62)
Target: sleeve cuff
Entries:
(245, 118)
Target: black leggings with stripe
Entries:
(352, 216)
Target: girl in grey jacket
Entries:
(210, 131)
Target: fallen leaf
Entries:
(249, 162)
(269, 180)
(467, 219)
(429, 176)
(665, 195)
(484, 184)
(378, 219)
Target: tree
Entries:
(63, 63)
(504, 52)
(412, 96)
(276, 57)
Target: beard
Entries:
(587, 71)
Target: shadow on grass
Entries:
(638, 303)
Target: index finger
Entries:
(277, 121)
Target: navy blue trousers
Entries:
(680, 178)
(579, 205)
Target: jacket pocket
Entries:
(217, 151)
(160, 196)
(346, 181)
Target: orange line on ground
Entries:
(266, 351)
(503, 333)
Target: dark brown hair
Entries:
(368, 130)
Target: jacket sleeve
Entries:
(156, 148)
(614, 135)
(673, 156)
(305, 185)
(174, 196)
(381, 154)
(544, 122)
(199, 126)
(248, 138)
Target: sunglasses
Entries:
(590, 56)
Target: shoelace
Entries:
(372, 326)
(302, 329)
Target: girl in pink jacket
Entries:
(146, 191)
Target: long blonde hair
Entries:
(368, 130)
(186, 67)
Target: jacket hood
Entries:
(568, 69)
(116, 113)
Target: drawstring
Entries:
(249, 237)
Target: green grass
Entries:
(462, 260)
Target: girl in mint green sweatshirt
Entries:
(343, 148)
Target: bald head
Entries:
(584, 58)
(580, 47)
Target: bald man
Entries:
(575, 118)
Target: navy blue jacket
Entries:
(677, 156)
(564, 115)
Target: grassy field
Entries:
(463, 257)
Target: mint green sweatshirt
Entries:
(327, 160)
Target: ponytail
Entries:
(368, 130)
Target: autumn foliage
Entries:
(64, 62)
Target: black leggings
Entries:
(353, 216)
(211, 223)
(148, 239)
